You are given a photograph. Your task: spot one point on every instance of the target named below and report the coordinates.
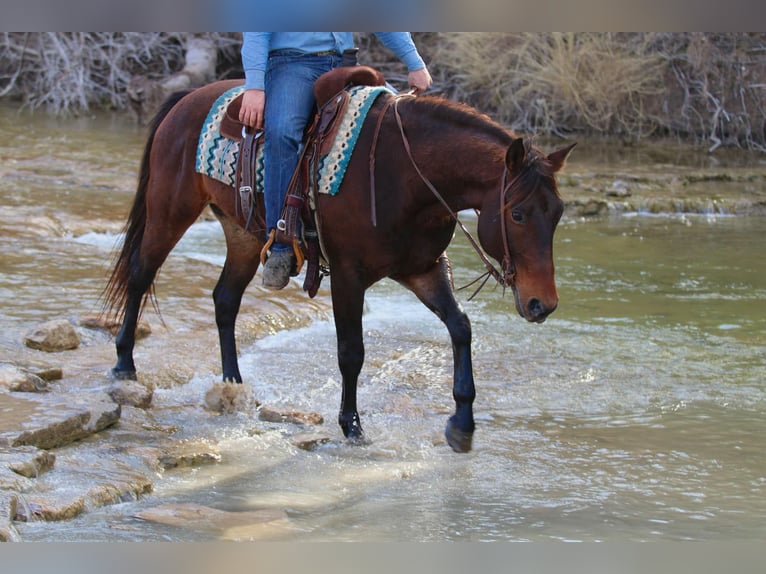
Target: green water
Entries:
(636, 412)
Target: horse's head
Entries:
(517, 223)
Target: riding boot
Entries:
(279, 267)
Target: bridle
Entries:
(506, 276)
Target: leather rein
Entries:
(505, 277)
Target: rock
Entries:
(18, 380)
(12, 481)
(53, 336)
(588, 207)
(8, 505)
(86, 479)
(309, 441)
(28, 461)
(132, 393)
(247, 525)
(54, 421)
(47, 373)
(619, 189)
(229, 398)
(286, 415)
(103, 323)
(189, 455)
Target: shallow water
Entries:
(636, 412)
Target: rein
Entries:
(507, 276)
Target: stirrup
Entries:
(299, 258)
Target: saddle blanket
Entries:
(217, 154)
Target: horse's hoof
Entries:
(352, 430)
(358, 440)
(459, 440)
(121, 375)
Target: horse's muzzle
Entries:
(537, 311)
(534, 310)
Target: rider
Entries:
(280, 69)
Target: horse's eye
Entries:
(517, 216)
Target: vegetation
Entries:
(701, 87)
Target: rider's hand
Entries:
(419, 80)
(251, 112)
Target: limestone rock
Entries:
(111, 325)
(189, 455)
(132, 393)
(84, 480)
(8, 506)
(19, 380)
(27, 461)
(309, 441)
(46, 372)
(287, 415)
(54, 421)
(262, 524)
(53, 336)
(229, 398)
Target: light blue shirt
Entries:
(257, 45)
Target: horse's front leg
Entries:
(348, 303)
(434, 289)
(242, 259)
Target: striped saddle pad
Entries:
(217, 154)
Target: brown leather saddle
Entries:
(298, 223)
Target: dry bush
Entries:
(67, 73)
(557, 82)
(695, 86)
(716, 87)
(704, 87)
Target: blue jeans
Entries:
(290, 76)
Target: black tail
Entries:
(116, 291)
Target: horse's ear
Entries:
(559, 158)
(514, 157)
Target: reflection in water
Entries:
(636, 412)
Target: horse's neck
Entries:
(461, 154)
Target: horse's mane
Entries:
(461, 114)
(536, 166)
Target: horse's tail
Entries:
(116, 291)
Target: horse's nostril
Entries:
(536, 308)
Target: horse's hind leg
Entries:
(434, 289)
(242, 259)
(138, 284)
(143, 267)
(146, 247)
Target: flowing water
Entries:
(636, 412)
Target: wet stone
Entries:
(13, 481)
(19, 380)
(588, 207)
(82, 481)
(27, 461)
(8, 505)
(49, 422)
(264, 524)
(229, 397)
(53, 336)
(112, 326)
(189, 455)
(287, 415)
(309, 441)
(132, 393)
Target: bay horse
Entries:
(433, 158)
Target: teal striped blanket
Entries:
(217, 155)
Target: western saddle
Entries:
(298, 223)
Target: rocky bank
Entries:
(66, 449)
